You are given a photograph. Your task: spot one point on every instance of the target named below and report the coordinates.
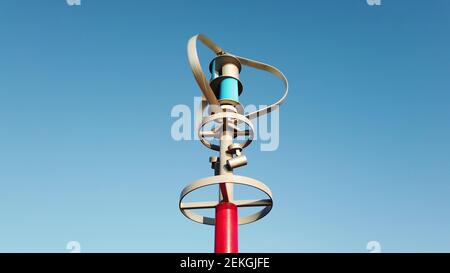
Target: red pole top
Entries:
(226, 233)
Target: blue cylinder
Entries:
(229, 90)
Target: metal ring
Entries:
(218, 179)
(218, 116)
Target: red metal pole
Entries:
(226, 233)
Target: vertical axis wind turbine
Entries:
(228, 122)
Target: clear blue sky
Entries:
(86, 152)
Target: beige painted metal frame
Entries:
(186, 208)
(229, 116)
